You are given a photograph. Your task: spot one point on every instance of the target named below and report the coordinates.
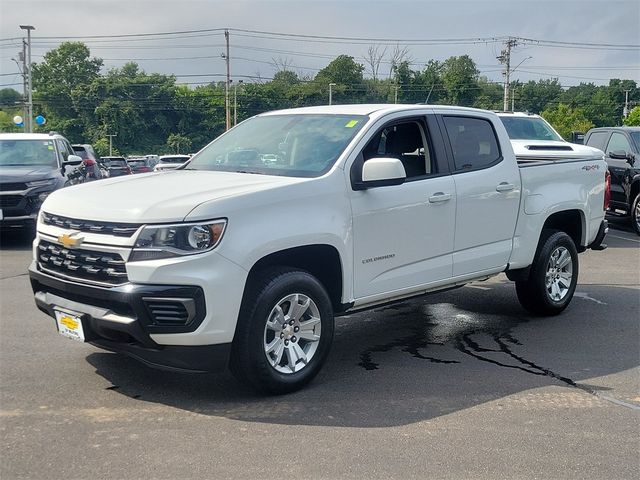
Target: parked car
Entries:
(533, 139)
(621, 146)
(141, 165)
(95, 169)
(117, 166)
(169, 162)
(32, 165)
(233, 261)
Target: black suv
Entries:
(621, 146)
(32, 165)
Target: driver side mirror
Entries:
(622, 155)
(382, 172)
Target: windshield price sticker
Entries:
(351, 124)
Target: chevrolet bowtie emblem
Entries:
(69, 241)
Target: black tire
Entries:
(249, 361)
(533, 293)
(635, 214)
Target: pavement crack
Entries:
(14, 276)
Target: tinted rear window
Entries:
(473, 142)
(116, 163)
(597, 140)
(173, 160)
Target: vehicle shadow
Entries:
(414, 362)
(16, 239)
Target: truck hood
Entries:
(25, 173)
(155, 197)
(553, 150)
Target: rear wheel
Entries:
(553, 276)
(284, 331)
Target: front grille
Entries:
(12, 187)
(94, 266)
(106, 228)
(170, 311)
(8, 201)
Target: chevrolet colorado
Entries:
(234, 260)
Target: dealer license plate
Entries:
(70, 325)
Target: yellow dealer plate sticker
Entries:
(70, 325)
(351, 124)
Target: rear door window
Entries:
(473, 142)
(598, 140)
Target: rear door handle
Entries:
(439, 197)
(505, 187)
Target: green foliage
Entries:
(150, 113)
(9, 98)
(179, 143)
(566, 119)
(633, 119)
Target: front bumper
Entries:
(119, 319)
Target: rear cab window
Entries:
(473, 142)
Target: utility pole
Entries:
(22, 58)
(111, 142)
(505, 59)
(235, 102)
(228, 83)
(395, 96)
(625, 110)
(331, 85)
(29, 119)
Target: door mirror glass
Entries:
(382, 172)
(618, 155)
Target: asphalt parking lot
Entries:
(462, 384)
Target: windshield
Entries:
(28, 152)
(529, 128)
(287, 145)
(136, 163)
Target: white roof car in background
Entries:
(170, 162)
(532, 138)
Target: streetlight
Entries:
(331, 85)
(29, 123)
(235, 102)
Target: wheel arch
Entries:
(320, 260)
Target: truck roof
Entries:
(28, 136)
(516, 114)
(365, 109)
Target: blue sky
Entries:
(593, 21)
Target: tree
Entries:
(534, 97)
(9, 97)
(374, 58)
(177, 142)
(343, 70)
(460, 79)
(56, 79)
(633, 119)
(566, 119)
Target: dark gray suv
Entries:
(621, 146)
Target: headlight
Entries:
(165, 241)
(41, 183)
(42, 196)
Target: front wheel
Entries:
(553, 276)
(635, 214)
(284, 332)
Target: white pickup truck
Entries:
(240, 261)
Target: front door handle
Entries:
(505, 187)
(439, 197)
